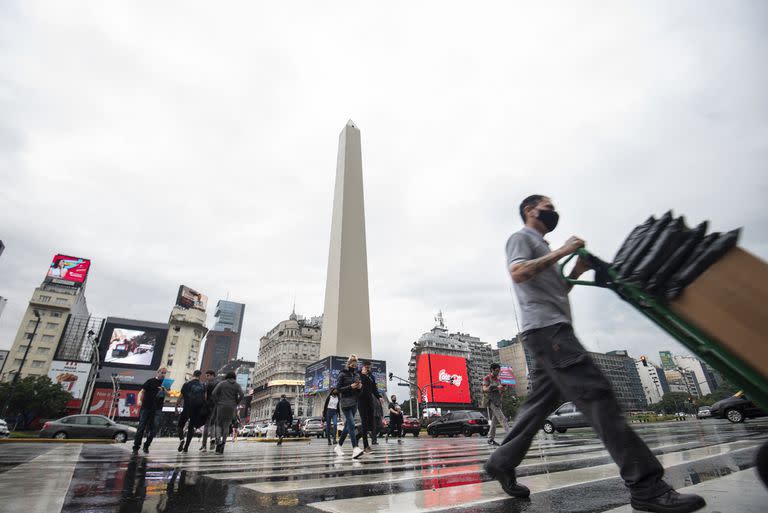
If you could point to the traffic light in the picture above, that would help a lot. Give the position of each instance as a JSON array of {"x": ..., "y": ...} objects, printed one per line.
[
  {"x": 645, "y": 362},
  {"x": 391, "y": 375}
]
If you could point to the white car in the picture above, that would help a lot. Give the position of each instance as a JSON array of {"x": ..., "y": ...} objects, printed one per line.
[
  {"x": 4, "y": 432},
  {"x": 261, "y": 429},
  {"x": 271, "y": 431}
]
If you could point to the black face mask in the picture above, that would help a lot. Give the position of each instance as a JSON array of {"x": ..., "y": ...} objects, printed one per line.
[{"x": 549, "y": 218}]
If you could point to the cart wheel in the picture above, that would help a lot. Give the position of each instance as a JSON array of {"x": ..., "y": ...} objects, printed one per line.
[{"x": 761, "y": 463}]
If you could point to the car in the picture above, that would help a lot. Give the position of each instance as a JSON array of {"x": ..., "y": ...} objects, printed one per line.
[
  {"x": 261, "y": 429},
  {"x": 4, "y": 431},
  {"x": 735, "y": 408},
  {"x": 87, "y": 426},
  {"x": 703, "y": 413},
  {"x": 564, "y": 417},
  {"x": 247, "y": 430},
  {"x": 411, "y": 425},
  {"x": 313, "y": 426},
  {"x": 464, "y": 422},
  {"x": 295, "y": 428}
]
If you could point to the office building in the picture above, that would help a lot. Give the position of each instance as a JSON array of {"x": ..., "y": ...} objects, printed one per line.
[
  {"x": 223, "y": 341},
  {"x": 704, "y": 379},
  {"x": 284, "y": 353},
  {"x": 650, "y": 381},
  {"x": 512, "y": 354},
  {"x": 621, "y": 371},
  {"x": 186, "y": 329}
]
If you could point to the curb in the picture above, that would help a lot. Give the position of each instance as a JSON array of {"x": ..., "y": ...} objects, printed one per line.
[
  {"x": 57, "y": 441},
  {"x": 274, "y": 440}
]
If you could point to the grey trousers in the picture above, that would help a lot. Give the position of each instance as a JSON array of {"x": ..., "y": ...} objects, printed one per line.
[
  {"x": 496, "y": 416},
  {"x": 563, "y": 368}
]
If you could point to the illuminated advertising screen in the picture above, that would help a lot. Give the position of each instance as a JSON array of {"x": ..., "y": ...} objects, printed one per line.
[
  {"x": 446, "y": 376},
  {"x": 506, "y": 376},
  {"x": 68, "y": 270},
  {"x": 131, "y": 347},
  {"x": 321, "y": 375},
  {"x": 71, "y": 376},
  {"x": 127, "y": 406},
  {"x": 190, "y": 298}
]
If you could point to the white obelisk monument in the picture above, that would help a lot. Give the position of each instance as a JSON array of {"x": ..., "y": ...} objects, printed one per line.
[{"x": 347, "y": 317}]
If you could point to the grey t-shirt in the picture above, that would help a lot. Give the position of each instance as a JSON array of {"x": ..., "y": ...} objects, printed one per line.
[{"x": 544, "y": 298}]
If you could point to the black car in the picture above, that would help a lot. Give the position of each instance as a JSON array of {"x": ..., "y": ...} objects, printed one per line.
[
  {"x": 466, "y": 423},
  {"x": 735, "y": 408},
  {"x": 295, "y": 428}
]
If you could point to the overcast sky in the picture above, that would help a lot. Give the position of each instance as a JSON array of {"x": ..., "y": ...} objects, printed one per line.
[{"x": 175, "y": 142}]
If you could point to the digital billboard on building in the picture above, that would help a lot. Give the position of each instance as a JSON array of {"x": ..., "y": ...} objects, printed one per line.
[
  {"x": 190, "y": 298},
  {"x": 131, "y": 349},
  {"x": 446, "y": 376},
  {"x": 68, "y": 270},
  {"x": 127, "y": 403},
  {"x": 322, "y": 375}
]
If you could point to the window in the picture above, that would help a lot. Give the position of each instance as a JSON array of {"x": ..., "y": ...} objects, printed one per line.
[
  {"x": 48, "y": 338},
  {"x": 45, "y": 299},
  {"x": 31, "y": 323},
  {"x": 17, "y": 362},
  {"x": 55, "y": 314},
  {"x": 61, "y": 301},
  {"x": 43, "y": 350},
  {"x": 23, "y": 348},
  {"x": 36, "y": 364},
  {"x": 98, "y": 421},
  {"x": 566, "y": 408},
  {"x": 27, "y": 336},
  {"x": 51, "y": 325},
  {"x": 169, "y": 363},
  {"x": 80, "y": 420}
]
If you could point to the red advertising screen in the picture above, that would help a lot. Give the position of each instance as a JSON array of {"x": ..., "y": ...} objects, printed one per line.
[
  {"x": 126, "y": 404},
  {"x": 448, "y": 375},
  {"x": 68, "y": 269}
]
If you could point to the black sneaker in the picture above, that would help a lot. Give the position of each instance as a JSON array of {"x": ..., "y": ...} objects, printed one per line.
[
  {"x": 135, "y": 451},
  {"x": 493, "y": 442},
  {"x": 181, "y": 446},
  {"x": 145, "y": 449},
  {"x": 670, "y": 502},
  {"x": 507, "y": 481}
]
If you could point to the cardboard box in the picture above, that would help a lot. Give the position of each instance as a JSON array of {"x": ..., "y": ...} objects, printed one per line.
[{"x": 729, "y": 302}]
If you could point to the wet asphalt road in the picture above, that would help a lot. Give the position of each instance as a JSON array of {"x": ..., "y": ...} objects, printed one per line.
[{"x": 566, "y": 472}]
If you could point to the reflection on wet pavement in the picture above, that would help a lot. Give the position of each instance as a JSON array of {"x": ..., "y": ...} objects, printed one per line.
[{"x": 566, "y": 472}]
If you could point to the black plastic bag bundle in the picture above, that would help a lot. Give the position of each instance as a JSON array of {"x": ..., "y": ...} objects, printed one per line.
[
  {"x": 644, "y": 244},
  {"x": 701, "y": 260},
  {"x": 684, "y": 249},
  {"x": 659, "y": 252},
  {"x": 631, "y": 242}
]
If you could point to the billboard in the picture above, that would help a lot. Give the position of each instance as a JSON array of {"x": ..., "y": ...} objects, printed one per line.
[
  {"x": 322, "y": 375},
  {"x": 667, "y": 363},
  {"x": 190, "y": 298},
  {"x": 127, "y": 406},
  {"x": 68, "y": 270},
  {"x": 448, "y": 376},
  {"x": 506, "y": 376},
  {"x": 131, "y": 346},
  {"x": 71, "y": 376}
]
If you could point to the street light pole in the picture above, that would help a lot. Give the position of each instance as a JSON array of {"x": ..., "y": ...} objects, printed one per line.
[{"x": 94, "y": 373}]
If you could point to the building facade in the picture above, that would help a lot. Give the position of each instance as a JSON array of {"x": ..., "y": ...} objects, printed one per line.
[
  {"x": 42, "y": 326},
  {"x": 704, "y": 379},
  {"x": 621, "y": 371},
  {"x": 186, "y": 329},
  {"x": 284, "y": 353},
  {"x": 512, "y": 354},
  {"x": 649, "y": 379},
  {"x": 223, "y": 341}
]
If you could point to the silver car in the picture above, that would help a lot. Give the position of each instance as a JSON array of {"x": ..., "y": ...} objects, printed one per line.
[
  {"x": 87, "y": 426},
  {"x": 566, "y": 416}
]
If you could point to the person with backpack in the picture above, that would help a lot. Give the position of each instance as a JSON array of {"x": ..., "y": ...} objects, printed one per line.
[
  {"x": 349, "y": 385},
  {"x": 209, "y": 410},
  {"x": 227, "y": 395},
  {"x": 331, "y": 415},
  {"x": 192, "y": 399},
  {"x": 283, "y": 417}
]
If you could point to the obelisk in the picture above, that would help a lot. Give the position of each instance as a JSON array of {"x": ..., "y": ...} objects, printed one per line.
[{"x": 346, "y": 316}]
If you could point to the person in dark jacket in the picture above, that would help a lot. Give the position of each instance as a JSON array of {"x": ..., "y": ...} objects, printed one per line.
[
  {"x": 369, "y": 394},
  {"x": 227, "y": 395},
  {"x": 395, "y": 420},
  {"x": 192, "y": 397},
  {"x": 349, "y": 385},
  {"x": 210, "y": 410},
  {"x": 331, "y": 415},
  {"x": 283, "y": 416}
]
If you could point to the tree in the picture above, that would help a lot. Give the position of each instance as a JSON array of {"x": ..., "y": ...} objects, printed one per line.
[
  {"x": 510, "y": 404},
  {"x": 31, "y": 397},
  {"x": 673, "y": 402}
]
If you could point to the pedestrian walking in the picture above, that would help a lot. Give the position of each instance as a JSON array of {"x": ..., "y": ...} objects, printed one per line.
[
  {"x": 192, "y": 400},
  {"x": 349, "y": 385},
  {"x": 331, "y": 415},
  {"x": 227, "y": 395},
  {"x": 366, "y": 404},
  {"x": 395, "y": 420},
  {"x": 493, "y": 391},
  {"x": 564, "y": 369},
  {"x": 209, "y": 411},
  {"x": 151, "y": 398},
  {"x": 283, "y": 417}
]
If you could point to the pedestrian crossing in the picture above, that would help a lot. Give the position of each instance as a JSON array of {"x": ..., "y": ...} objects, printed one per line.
[{"x": 438, "y": 475}]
